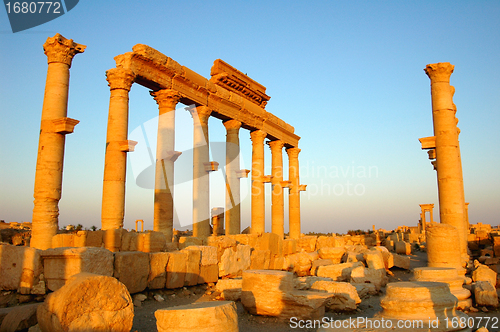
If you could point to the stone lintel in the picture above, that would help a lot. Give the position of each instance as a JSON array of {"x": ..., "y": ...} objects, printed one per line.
[
  {"x": 286, "y": 184},
  {"x": 171, "y": 155},
  {"x": 266, "y": 178},
  {"x": 64, "y": 125},
  {"x": 127, "y": 145},
  {"x": 242, "y": 173},
  {"x": 211, "y": 166},
  {"x": 302, "y": 187},
  {"x": 232, "y": 79},
  {"x": 428, "y": 142}
]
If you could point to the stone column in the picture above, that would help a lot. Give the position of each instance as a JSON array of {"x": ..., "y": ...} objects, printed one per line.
[
  {"x": 233, "y": 208},
  {"x": 53, "y": 128},
  {"x": 115, "y": 162},
  {"x": 277, "y": 205},
  {"x": 294, "y": 193},
  {"x": 448, "y": 164},
  {"x": 258, "y": 194},
  {"x": 201, "y": 167},
  {"x": 165, "y": 157},
  {"x": 467, "y": 224}
]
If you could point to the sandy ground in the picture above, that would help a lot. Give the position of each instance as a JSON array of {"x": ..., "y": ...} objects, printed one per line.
[{"x": 144, "y": 320}]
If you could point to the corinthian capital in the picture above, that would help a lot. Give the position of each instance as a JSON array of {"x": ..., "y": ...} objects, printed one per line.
[
  {"x": 60, "y": 49},
  {"x": 119, "y": 78},
  {"x": 201, "y": 113},
  {"x": 293, "y": 152},
  {"x": 439, "y": 72},
  {"x": 166, "y": 98},
  {"x": 232, "y": 125},
  {"x": 258, "y": 136},
  {"x": 276, "y": 145}
]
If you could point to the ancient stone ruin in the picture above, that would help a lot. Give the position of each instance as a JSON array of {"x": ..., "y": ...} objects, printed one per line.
[{"x": 426, "y": 277}]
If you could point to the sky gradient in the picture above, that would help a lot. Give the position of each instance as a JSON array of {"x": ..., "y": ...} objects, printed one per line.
[{"x": 348, "y": 75}]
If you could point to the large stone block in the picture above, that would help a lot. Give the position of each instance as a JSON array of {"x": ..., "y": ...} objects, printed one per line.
[
  {"x": 377, "y": 277},
  {"x": 289, "y": 247},
  {"x": 80, "y": 239},
  {"x": 221, "y": 243},
  {"x": 19, "y": 318},
  {"x": 230, "y": 289},
  {"x": 485, "y": 294},
  {"x": 374, "y": 259},
  {"x": 63, "y": 240},
  {"x": 271, "y": 242},
  {"x": 208, "y": 254},
  {"x": 132, "y": 269},
  {"x": 344, "y": 296},
  {"x": 496, "y": 245},
  {"x": 20, "y": 268},
  {"x": 59, "y": 264},
  {"x": 208, "y": 273},
  {"x": 337, "y": 272},
  {"x": 193, "y": 262},
  {"x": 387, "y": 256},
  {"x": 270, "y": 293},
  {"x": 94, "y": 239},
  {"x": 260, "y": 259},
  {"x": 305, "y": 283},
  {"x": 403, "y": 248},
  {"x": 403, "y": 262},
  {"x": 300, "y": 263},
  {"x": 186, "y": 241},
  {"x": 484, "y": 273},
  {"x": 176, "y": 269},
  {"x": 158, "y": 270},
  {"x": 87, "y": 302},
  {"x": 325, "y": 242},
  {"x": 112, "y": 239},
  {"x": 333, "y": 253},
  {"x": 234, "y": 261},
  {"x": 307, "y": 243},
  {"x": 130, "y": 241},
  {"x": 247, "y": 239},
  {"x": 200, "y": 317},
  {"x": 151, "y": 241},
  {"x": 317, "y": 263}
]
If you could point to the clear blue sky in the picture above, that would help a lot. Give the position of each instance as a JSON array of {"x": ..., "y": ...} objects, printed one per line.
[{"x": 348, "y": 75}]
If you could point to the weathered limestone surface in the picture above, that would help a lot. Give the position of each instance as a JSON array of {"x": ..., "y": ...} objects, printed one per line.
[
  {"x": 59, "y": 264},
  {"x": 443, "y": 246},
  {"x": 20, "y": 268},
  {"x": 400, "y": 261},
  {"x": 270, "y": 293},
  {"x": 305, "y": 283},
  {"x": 403, "y": 248},
  {"x": 176, "y": 269},
  {"x": 272, "y": 242},
  {"x": 158, "y": 270},
  {"x": 260, "y": 259},
  {"x": 289, "y": 246},
  {"x": 333, "y": 253},
  {"x": 186, "y": 241},
  {"x": 345, "y": 296},
  {"x": 378, "y": 277},
  {"x": 300, "y": 263},
  {"x": 338, "y": 272},
  {"x": 221, "y": 243},
  {"x": 230, "y": 289},
  {"x": 132, "y": 269},
  {"x": 87, "y": 302},
  {"x": 20, "y": 318},
  {"x": 484, "y": 273},
  {"x": 374, "y": 259},
  {"x": 192, "y": 267},
  {"x": 208, "y": 254},
  {"x": 307, "y": 243},
  {"x": 317, "y": 263},
  {"x": 485, "y": 294},
  {"x": 235, "y": 260},
  {"x": 151, "y": 241},
  {"x": 202, "y": 317}
]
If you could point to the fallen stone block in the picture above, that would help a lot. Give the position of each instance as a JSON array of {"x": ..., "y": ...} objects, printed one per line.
[
  {"x": 333, "y": 253},
  {"x": 130, "y": 241},
  {"x": 187, "y": 241},
  {"x": 272, "y": 242},
  {"x": 317, "y": 263},
  {"x": 337, "y": 272},
  {"x": 230, "y": 289},
  {"x": 307, "y": 243},
  {"x": 59, "y": 264},
  {"x": 299, "y": 263},
  {"x": 234, "y": 261},
  {"x": 132, "y": 269},
  {"x": 200, "y": 317},
  {"x": 87, "y": 302},
  {"x": 94, "y": 239},
  {"x": 403, "y": 262},
  {"x": 193, "y": 262},
  {"x": 247, "y": 239},
  {"x": 484, "y": 273},
  {"x": 374, "y": 259},
  {"x": 305, "y": 283},
  {"x": 151, "y": 241},
  {"x": 208, "y": 273},
  {"x": 377, "y": 277},
  {"x": 19, "y": 318},
  {"x": 221, "y": 243},
  {"x": 260, "y": 259},
  {"x": 63, "y": 241},
  {"x": 345, "y": 296},
  {"x": 485, "y": 294},
  {"x": 365, "y": 289},
  {"x": 208, "y": 254},
  {"x": 403, "y": 248},
  {"x": 289, "y": 247}
]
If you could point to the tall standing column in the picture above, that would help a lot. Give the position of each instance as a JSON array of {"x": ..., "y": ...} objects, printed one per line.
[
  {"x": 115, "y": 162},
  {"x": 294, "y": 192},
  {"x": 165, "y": 157},
  {"x": 277, "y": 205},
  {"x": 53, "y": 128},
  {"x": 233, "y": 208},
  {"x": 258, "y": 194},
  {"x": 449, "y": 170},
  {"x": 201, "y": 183}
]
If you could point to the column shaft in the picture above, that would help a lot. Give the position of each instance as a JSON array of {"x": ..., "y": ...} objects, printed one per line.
[
  {"x": 165, "y": 157},
  {"x": 115, "y": 161},
  {"x": 449, "y": 170},
  {"x": 294, "y": 193},
  {"x": 49, "y": 167},
  {"x": 258, "y": 194},
  {"x": 277, "y": 204},
  {"x": 233, "y": 208},
  {"x": 201, "y": 182}
]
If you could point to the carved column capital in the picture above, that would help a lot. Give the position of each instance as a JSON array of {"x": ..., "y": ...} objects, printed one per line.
[
  {"x": 258, "y": 136},
  {"x": 293, "y": 152},
  {"x": 232, "y": 125},
  {"x": 166, "y": 98},
  {"x": 276, "y": 145},
  {"x": 120, "y": 78},
  {"x": 201, "y": 112},
  {"x": 439, "y": 72},
  {"x": 60, "y": 49}
]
